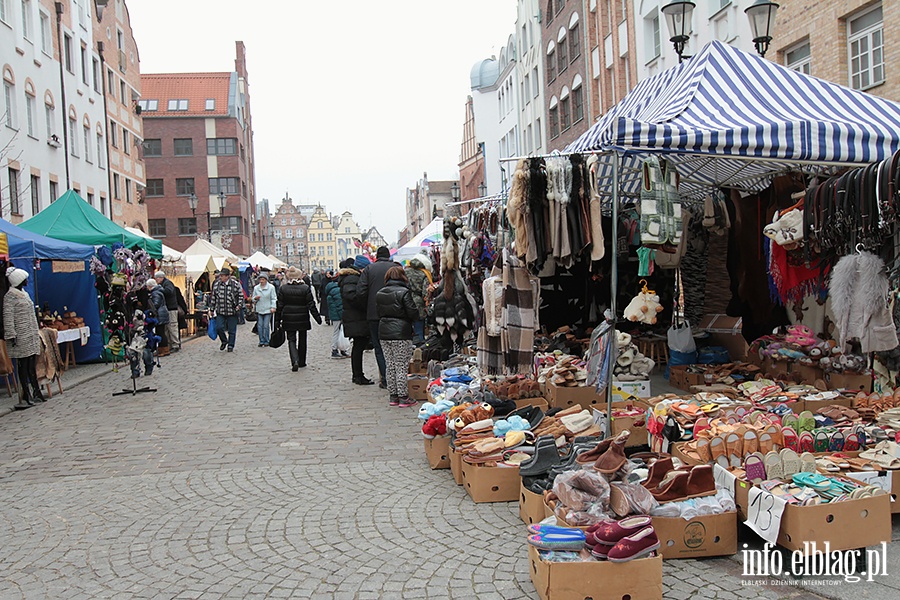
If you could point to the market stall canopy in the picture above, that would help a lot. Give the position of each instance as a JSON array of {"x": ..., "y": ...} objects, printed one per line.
[
  {"x": 431, "y": 234},
  {"x": 201, "y": 246},
  {"x": 169, "y": 254},
  {"x": 278, "y": 263},
  {"x": 729, "y": 118},
  {"x": 72, "y": 219},
  {"x": 24, "y": 244},
  {"x": 261, "y": 261},
  {"x": 202, "y": 263}
]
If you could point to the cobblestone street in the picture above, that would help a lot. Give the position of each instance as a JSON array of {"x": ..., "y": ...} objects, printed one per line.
[{"x": 241, "y": 479}]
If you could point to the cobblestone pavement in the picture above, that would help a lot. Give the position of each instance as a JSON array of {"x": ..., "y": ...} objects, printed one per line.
[{"x": 241, "y": 479}]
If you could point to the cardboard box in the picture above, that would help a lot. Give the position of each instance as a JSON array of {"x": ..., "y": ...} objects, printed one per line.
[
  {"x": 418, "y": 367},
  {"x": 437, "y": 451},
  {"x": 491, "y": 484},
  {"x": 564, "y": 397},
  {"x": 539, "y": 402},
  {"x": 548, "y": 512},
  {"x": 636, "y": 424},
  {"x": 814, "y": 405},
  {"x": 808, "y": 374},
  {"x": 726, "y": 331},
  {"x": 531, "y": 505},
  {"x": 857, "y": 383},
  {"x": 777, "y": 369},
  {"x": 623, "y": 390},
  {"x": 418, "y": 388},
  {"x": 708, "y": 535},
  {"x": 681, "y": 378},
  {"x": 639, "y": 579},
  {"x": 456, "y": 466},
  {"x": 845, "y": 525}
]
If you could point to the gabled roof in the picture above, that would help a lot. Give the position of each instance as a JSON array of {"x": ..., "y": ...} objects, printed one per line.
[{"x": 196, "y": 88}]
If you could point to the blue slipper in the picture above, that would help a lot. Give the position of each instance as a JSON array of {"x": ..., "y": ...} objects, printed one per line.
[{"x": 558, "y": 541}]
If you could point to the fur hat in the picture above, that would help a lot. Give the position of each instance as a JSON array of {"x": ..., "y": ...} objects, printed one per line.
[
  {"x": 293, "y": 275},
  {"x": 16, "y": 276},
  {"x": 382, "y": 252},
  {"x": 361, "y": 262},
  {"x": 420, "y": 261}
]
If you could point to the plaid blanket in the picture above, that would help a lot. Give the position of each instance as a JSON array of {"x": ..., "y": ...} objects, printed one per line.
[{"x": 518, "y": 321}]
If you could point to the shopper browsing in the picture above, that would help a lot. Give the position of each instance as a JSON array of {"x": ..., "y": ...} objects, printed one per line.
[
  {"x": 396, "y": 311},
  {"x": 293, "y": 309},
  {"x": 264, "y": 299}
]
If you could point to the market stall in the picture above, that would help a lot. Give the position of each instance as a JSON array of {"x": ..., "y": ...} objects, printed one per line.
[{"x": 201, "y": 254}]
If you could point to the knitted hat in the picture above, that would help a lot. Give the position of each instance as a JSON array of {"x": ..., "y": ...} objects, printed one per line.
[
  {"x": 361, "y": 262},
  {"x": 382, "y": 252},
  {"x": 293, "y": 275},
  {"x": 263, "y": 276},
  {"x": 16, "y": 276}
]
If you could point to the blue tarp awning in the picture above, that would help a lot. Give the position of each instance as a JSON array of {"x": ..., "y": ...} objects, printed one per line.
[
  {"x": 732, "y": 119},
  {"x": 27, "y": 244}
]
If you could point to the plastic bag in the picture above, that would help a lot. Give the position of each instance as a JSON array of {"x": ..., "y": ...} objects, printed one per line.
[
  {"x": 343, "y": 344},
  {"x": 578, "y": 490},
  {"x": 681, "y": 338},
  {"x": 211, "y": 329}
]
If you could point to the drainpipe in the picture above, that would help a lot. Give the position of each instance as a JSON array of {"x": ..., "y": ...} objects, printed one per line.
[
  {"x": 109, "y": 196},
  {"x": 62, "y": 87}
]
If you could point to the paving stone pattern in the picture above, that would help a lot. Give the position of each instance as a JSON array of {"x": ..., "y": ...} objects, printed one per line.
[{"x": 241, "y": 479}]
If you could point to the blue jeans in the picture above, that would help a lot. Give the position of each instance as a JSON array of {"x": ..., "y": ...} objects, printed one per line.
[
  {"x": 419, "y": 331},
  {"x": 379, "y": 353},
  {"x": 227, "y": 325},
  {"x": 264, "y": 327}
]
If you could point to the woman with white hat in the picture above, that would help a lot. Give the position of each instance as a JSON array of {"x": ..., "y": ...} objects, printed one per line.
[{"x": 23, "y": 341}]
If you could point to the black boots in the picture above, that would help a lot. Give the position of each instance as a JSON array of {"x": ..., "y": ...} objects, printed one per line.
[
  {"x": 37, "y": 395},
  {"x": 25, "y": 400}
]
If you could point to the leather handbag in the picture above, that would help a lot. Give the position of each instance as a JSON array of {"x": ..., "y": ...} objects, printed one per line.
[{"x": 276, "y": 339}]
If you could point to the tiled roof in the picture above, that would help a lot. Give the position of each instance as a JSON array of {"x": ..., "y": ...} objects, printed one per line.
[{"x": 196, "y": 88}]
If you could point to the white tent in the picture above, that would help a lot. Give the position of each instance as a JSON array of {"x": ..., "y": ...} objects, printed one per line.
[
  {"x": 169, "y": 254},
  {"x": 278, "y": 263},
  {"x": 201, "y": 255},
  {"x": 261, "y": 261},
  {"x": 432, "y": 234}
]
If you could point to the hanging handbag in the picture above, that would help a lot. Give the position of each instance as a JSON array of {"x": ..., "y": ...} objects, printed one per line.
[
  {"x": 211, "y": 329},
  {"x": 680, "y": 336},
  {"x": 660, "y": 204},
  {"x": 276, "y": 340}
]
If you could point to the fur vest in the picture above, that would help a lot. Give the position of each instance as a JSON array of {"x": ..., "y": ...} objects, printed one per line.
[{"x": 858, "y": 291}]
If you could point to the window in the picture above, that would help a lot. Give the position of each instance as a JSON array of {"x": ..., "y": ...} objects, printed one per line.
[
  {"x": 86, "y": 132},
  {"x": 321, "y": 237},
  {"x": 277, "y": 234},
  {"x": 330, "y": 250},
  {"x": 244, "y": 189},
  {"x": 96, "y": 74},
  {"x": 798, "y": 58},
  {"x": 46, "y": 43},
  {"x": 128, "y": 197},
  {"x": 126, "y": 145},
  {"x": 14, "y": 206},
  {"x": 228, "y": 185},
  {"x": 230, "y": 224},
  {"x": 29, "y": 114},
  {"x": 103, "y": 209},
  {"x": 278, "y": 250},
  {"x": 210, "y": 104},
  {"x": 562, "y": 56},
  {"x": 300, "y": 234},
  {"x": 111, "y": 83},
  {"x": 117, "y": 186},
  {"x": 100, "y": 150},
  {"x": 157, "y": 227},
  {"x": 187, "y": 226},
  {"x": 27, "y": 20},
  {"x": 320, "y": 225},
  {"x": 48, "y": 116},
  {"x": 184, "y": 147},
  {"x": 90, "y": 198},
  {"x": 288, "y": 233},
  {"x": 178, "y": 104},
  {"x": 526, "y": 88},
  {"x": 9, "y": 94},
  {"x": 577, "y": 104},
  {"x": 114, "y": 134},
  {"x": 35, "y": 194},
  {"x": 122, "y": 91},
  {"x": 149, "y": 104},
  {"x": 328, "y": 237},
  {"x": 574, "y": 43},
  {"x": 535, "y": 83},
  {"x": 155, "y": 187},
  {"x": 565, "y": 113},
  {"x": 554, "y": 122},
  {"x": 67, "y": 48},
  {"x": 221, "y": 146},
  {"x": 651, "y": 26},
  {"x": 528, "y": 140},
  {"x": 153, "y": 147},
  {"x": 866, "y": 46},
  {"x": 551, "y": 66},
  {"x": 120, "y": 39},
  {"x": 54, "y": 191},
  {"x": 73, "y": 141},
  {"x": 289, "y": 248},
  {"x": 184, "y": 187},
  {"x": 85, "y": 73}
]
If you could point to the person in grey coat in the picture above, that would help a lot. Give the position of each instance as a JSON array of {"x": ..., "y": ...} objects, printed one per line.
[
  {"x": 23, "y": 342},
  {"x": 158, "y": 301}
]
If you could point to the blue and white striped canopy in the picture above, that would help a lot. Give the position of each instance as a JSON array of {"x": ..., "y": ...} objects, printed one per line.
[{"x": 722, "y": 113}]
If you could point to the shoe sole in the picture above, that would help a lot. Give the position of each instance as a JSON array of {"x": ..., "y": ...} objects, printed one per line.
[{"x": 642, "y": 553}]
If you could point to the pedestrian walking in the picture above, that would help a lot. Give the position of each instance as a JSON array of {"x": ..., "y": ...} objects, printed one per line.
[
  {"x": 227, "y": 300},
  {"x": 353, "y": 317},
  {"x": 335, "y": 307},
  {"x": 293, "y": 309},
  {"x": 264, "y": 299},
  {"x": 419, "y": 275},
  {"x": 315, "y": 282},
  {"x": 173, "y": 334},
  {"x": 370, "y": 282},
  {"x": 23, "y": 341},
  {"x": 396, "y": 313}
]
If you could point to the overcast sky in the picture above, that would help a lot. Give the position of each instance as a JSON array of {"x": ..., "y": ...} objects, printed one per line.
[{"x": 352, "y": 101}]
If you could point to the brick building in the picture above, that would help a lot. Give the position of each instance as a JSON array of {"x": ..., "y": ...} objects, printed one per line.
[
  {"x": 844, "y": 41},
  {"x": 471, "y": 158},
  {"x": 289, "y": 234},
  {"x": 615, "y": 66},
  {"x": 199, "y": 140}
]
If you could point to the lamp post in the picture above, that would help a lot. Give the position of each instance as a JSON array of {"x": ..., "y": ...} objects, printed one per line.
[
  {"x": 193, "y": 201},
  {"x": 679, "y": 16},
  {"x": 454, "y": 191},
  {"x": 482, "y": 190},
  {"x": 762, "y": 20}
]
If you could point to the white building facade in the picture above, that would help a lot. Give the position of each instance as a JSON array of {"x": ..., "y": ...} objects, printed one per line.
[
  {"x": 530, "y": 73},
  {"x": 52, "y": 136}
]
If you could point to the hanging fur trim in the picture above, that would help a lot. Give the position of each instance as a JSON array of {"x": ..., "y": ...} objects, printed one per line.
[{"x": 858, "y": 290}]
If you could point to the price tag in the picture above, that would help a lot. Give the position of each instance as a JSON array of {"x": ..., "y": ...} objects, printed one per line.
[
  {"x": 880, "y": 479},
  {"x": 764, "y": 514},
  {"x": 724, "y": 479}
]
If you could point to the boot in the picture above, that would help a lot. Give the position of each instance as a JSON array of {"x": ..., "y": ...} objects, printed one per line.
[
  {"x": 24, "y": 399},
  {"x": 37, "y": 394},
  {"x": 545, "y": 456}
]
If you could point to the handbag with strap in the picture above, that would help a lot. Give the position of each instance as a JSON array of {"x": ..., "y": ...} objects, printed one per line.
[{"x": 276, "y": 339}]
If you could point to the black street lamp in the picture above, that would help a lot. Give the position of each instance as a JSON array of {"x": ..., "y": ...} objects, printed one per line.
[
  {"x": 193, "y": 202},
  {"x": 454, "y": 191},
  {"x": 762, "y": 21},
  {"x": 482, "y": 190},
  {"x": 679, "y": 15}
]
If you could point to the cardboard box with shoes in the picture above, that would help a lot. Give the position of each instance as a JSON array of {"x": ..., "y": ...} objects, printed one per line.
[
  {"x": 437, "y": 451},
  {"x": 531, "y": 506},
  {"x": 639, "y": 579},
  {"x": 565, "y": 397},
  {"x": 707, "y": 535},
  {"x": 491, "y": 484}
]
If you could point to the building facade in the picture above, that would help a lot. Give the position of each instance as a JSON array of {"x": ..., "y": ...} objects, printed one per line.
[
  {"x": 614, "y": 67},
  {"x": 471, "y": 159},
  {"x": 425, "y": 202},
  {"x": 847, "y": 42},
  {"x": 530, "y": 69},
  {"x": 374, "y": 237},
  {"x": 52, "y": 120},
  {"x": 484, "y": 79},
  {"x": 119, "y": 64},
  {"x": 347, "y": 232},
  {"x": 289, "y": 234},
  {"x": 263, "y": 226},
  {"x": 199, "y": 141},
  {"x": 322, "y": 242}
]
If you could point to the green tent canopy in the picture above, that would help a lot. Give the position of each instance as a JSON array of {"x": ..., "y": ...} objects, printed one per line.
[{"x": 72, "y": 219}]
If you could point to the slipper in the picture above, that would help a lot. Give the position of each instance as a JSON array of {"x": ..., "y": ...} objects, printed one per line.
[
  {"x": 807, "y": 442},
  {"x": 718, "y": 451},
  {"x": 774, "y": 466},
  {"x": 837, "y": 442},
  {"x": 775, "y": 431},
  {"x": 817, "y": 482},
  {"x": 807, "y": 463},
  {"x": 791, "y": 439},
  {"x": 791, "y": 461},
  {"x": 851, "y": 444},
  {"x": 540, "y": 528},
  {"x": 751, "y": 443},
  {"x": 558, "y": 540},
  {"x": 806, "y": 421},
  {"x": 790, "y": 421},
  {"x": 826, "y": 465},
  {"x": 735, "y": 451},
  {"x": 861, "y": 464},
  {"x": 755, "y": 467},
  {"x": 839, "y": 459},
  {"x": 703, "y": 450},
  {"x": 820, "y": 441},
  {"x": 766, "y": 444}
]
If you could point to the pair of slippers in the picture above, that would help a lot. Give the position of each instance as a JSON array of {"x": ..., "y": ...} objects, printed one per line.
[{"x": 778, "y": 465}]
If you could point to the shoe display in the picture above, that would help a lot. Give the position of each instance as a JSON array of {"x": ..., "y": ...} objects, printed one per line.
[
  {"x": 634, "y": 546},
  {"x": 609, "y": 532}
]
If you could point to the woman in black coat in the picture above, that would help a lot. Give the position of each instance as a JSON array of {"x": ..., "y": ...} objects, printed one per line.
[
  {"x": 353, "y": 320},
  {"x": 397, "y": 311},
  {"x": 293, "y": 308}
]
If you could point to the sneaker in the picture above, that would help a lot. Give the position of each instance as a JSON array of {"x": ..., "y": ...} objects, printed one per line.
[
  {"x": 406, "y": 402},
  {"x": 363, "y": 381},
  {"x": 222, "y": 345},
  {"x": 335, "y": 354},
  {"x": 395, "y": 401},
  {"x": 230, "y": 349},
  {"x": 382, "y": 385},
  {"x": 344, "y": 354}
]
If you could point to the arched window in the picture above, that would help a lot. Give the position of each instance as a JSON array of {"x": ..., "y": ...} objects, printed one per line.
[
  {"x": 574, "y": 37},
  {"x": 551, "y": 61},
  {"x": 9, "y": 98},
  {"x": 554, "y": 117}
]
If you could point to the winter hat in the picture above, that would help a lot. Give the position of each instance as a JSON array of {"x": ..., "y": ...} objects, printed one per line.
[
  {"x": 16, "y": 276},
  {"x": 382, "y": 252},
  {"x": 361, "y": 262},
  {"x": 263, "y": 276},
  {"x": 294, "y": 275},
  {"x": 420, "y": 261},
  {"x": 346, "y": 263}
]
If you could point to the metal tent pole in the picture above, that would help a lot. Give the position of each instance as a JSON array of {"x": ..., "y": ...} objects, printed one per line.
[{"x": 614, "y": 288}]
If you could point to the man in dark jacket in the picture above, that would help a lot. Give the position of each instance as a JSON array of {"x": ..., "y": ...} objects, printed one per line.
[
  {"x": 168, "y": 289},
  {"x": 370, "y": 282},
  {"x": 293, "y": 309},
  {"x": 353, "y": 318}
]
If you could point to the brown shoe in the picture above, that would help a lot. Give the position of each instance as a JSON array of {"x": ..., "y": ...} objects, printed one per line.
[
  {"x": 589, "y": 456},
  {"x": 675, "y": 489},
  {"x": 614, "y": 458},
  {"x": 657, "y": 471},
  {"x": 701, "y": 482}
]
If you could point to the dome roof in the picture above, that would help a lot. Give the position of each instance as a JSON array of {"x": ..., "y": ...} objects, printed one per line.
[{"x": 484, "y": 73}]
